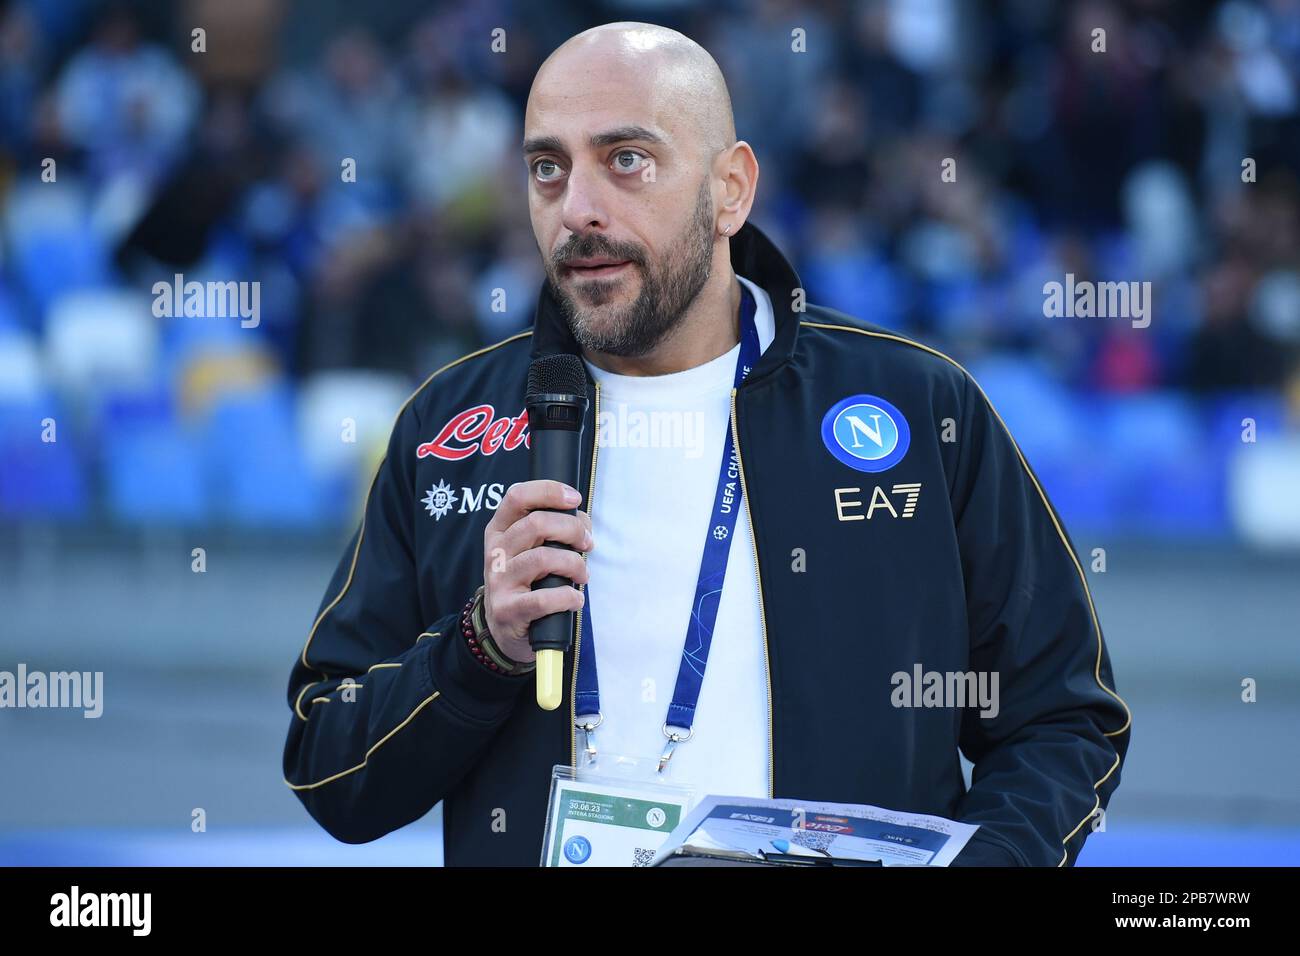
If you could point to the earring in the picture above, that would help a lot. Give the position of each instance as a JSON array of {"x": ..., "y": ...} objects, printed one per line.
[{"x": 727, "y": 230}]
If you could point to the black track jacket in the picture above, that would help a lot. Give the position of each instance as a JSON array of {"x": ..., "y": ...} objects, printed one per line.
[{"x": 943, "y": 556}]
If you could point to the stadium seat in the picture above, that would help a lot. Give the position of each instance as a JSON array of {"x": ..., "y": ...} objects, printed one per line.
[
  {"x": 370, "y": 399},
  {"x": 1167, "y": 468},
  {"x": 55, "y": 249},
  {"x": 252, "y": 452},
  {"x": 154, "y": 476},
  {"x": 21, "y": 374},
  {"x": 39, "y": 480},
  {"x": 101, "y": 339},
  {"x": 1263, "y": 479},
  {"x": 1227, "y": 411}
]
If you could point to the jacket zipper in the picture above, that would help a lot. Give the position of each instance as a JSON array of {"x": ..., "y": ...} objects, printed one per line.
[
  {"x": 758, "y": 578},
  {"x": 577, "y": 618}
]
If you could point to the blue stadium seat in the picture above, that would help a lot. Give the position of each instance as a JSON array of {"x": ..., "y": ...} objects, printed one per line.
[
  {"x": 256, "y": 461},
  {"x": 11, "y": 318},
  {"x": 1169, "y": 468},
  {"x": 51, "y": 263},
  {"x": 1226, "y": 411},
  {"x": 39, "y": 480},
  {"x": 154, "y": 476}
]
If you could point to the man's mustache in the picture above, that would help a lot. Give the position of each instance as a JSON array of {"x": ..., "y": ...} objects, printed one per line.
[{"x": 591, "y": 247}]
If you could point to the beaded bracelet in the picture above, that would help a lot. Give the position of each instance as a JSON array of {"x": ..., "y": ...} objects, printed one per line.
[{"x": 473, "y": 626}]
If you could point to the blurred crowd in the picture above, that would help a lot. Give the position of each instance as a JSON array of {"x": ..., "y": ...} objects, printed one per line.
[{"x": 133, "y": 149}]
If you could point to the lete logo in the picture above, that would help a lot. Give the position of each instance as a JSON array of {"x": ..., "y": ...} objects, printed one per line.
[{"x": 476, "y": 429}]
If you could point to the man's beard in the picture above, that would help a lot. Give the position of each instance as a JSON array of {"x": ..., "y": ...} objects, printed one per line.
[{"x": 666, "y": 292}]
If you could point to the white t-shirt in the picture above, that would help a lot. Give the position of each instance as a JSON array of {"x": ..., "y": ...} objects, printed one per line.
[{"x": 661, "y": 441}]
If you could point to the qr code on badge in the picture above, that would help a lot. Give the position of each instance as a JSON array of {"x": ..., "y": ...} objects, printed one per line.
[
  {"x": 641, "y": 856},
  {"x": 813, "y": 839}
]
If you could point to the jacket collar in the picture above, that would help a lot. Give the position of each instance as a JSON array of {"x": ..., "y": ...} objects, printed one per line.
[{"x": 753, "y": 255}]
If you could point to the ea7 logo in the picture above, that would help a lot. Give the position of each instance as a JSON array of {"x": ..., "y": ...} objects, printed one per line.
[{"x": 909, "y": 493}]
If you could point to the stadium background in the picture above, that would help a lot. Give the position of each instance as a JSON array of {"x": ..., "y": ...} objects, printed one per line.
[{"x": 181, "y": 433}]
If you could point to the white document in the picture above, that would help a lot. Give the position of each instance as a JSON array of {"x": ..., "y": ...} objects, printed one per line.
[{"x": 842, "y": 830}]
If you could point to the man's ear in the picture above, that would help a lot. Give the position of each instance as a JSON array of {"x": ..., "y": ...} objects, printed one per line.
[{"x": 737, "y": 167}]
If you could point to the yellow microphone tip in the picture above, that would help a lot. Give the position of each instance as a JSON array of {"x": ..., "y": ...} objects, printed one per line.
[{"x": 550, "y": 679}]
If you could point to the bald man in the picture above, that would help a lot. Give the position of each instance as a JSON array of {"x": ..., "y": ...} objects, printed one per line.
[{"x": 809, "y": 560}]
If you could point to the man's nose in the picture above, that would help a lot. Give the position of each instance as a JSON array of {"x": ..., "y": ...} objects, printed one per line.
[{"x": 584, "y": 208}]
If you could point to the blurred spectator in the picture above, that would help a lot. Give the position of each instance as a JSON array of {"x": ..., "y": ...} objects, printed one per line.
[{"x": 124, "y": 101}]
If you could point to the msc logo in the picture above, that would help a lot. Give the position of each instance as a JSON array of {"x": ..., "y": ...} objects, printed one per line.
[
  {"x": 441, "y": 499},
  {"x": 866, "y": 433},
  {"x": 910, "y": 493}
]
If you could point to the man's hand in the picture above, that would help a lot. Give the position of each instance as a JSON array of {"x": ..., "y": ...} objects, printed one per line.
[{"x": 514, "y": 556}]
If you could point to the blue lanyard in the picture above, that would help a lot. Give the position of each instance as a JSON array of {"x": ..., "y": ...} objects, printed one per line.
[{"x": 708, "y": 588}]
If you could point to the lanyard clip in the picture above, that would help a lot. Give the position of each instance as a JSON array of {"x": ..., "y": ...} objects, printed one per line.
[
  {"x": 588, "y": 728},
  {"x": 673, "y": 740}
]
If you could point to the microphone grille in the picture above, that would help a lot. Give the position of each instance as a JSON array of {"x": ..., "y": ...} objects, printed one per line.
[{"x": 559, "y": 374}]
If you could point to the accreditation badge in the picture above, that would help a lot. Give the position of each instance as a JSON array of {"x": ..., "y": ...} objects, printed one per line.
[{"x": 617, "y": 815}]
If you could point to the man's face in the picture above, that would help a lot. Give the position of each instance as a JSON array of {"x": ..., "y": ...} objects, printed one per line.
[{"x": 622, "y": 210}]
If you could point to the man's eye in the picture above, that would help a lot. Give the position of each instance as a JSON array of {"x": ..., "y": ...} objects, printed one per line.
[
  {"x": 628, "y": 161},
  {"x": 546, "y": 170}
]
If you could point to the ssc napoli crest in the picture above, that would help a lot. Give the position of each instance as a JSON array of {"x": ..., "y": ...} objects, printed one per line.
[
  {"x": 577, "y": 849},
  {"x": 866, "y": 433}
]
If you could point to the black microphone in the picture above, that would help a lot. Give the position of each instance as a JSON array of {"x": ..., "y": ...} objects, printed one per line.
[{"x": 557, "y": 406}]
